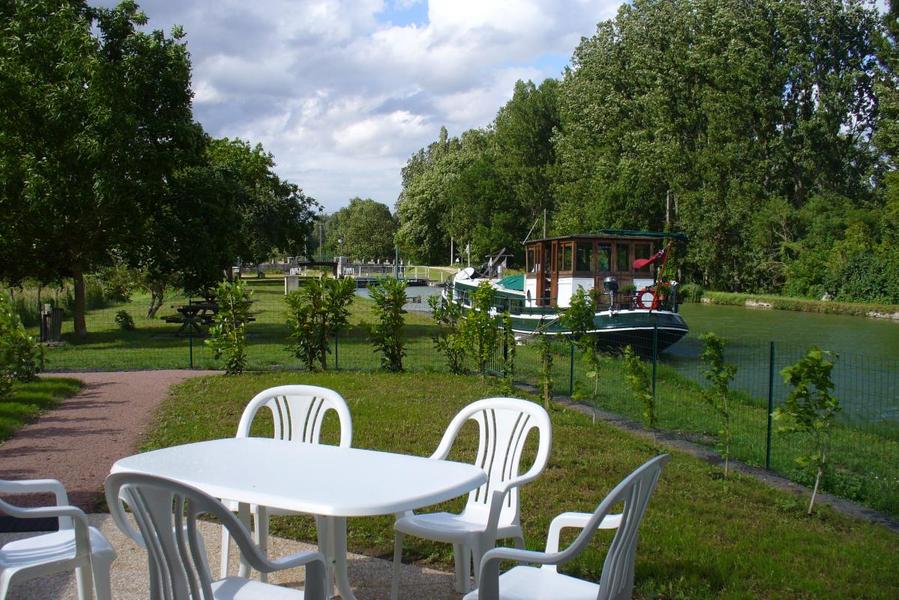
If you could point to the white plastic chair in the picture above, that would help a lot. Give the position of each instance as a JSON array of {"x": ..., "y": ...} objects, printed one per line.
[
  {"x": 491, "y": 512},
  {"x": 546, "y": 583},
  {"x": 166, "y": 515},
  {"x": 76, "y": 546},
  {"x": 298, "y": 412}
]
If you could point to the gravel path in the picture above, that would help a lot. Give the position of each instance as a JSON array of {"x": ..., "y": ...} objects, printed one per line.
[{"x": 78, "y": 441}]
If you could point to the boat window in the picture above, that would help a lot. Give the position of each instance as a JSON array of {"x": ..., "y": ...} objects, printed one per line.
[
  {"x": 642, "y": 251},
  {"x": 532, "y": 260},
  {"x": 603, "y": 258},
  {"x": 565, "y": 257},
  {"x": 622, "y": 259},
  {"x": 583, "y": 255}
]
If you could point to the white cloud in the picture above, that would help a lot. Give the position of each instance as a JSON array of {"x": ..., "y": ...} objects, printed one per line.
[{"x": 342, "y": 97}]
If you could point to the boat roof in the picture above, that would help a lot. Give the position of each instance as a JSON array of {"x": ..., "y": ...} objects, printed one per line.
[
  {"x": 617, "y": 234},
  {"x": 512, "y": 282}
]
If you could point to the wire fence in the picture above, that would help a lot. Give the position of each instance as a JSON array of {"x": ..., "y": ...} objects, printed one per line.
[{"x": 865, "y": 445}]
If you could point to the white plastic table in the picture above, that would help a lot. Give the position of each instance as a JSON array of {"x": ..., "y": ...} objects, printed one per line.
[{"x": 329, "y": 481}]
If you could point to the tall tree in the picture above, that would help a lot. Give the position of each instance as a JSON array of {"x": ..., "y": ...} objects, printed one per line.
[
  {"x": 367, "y": 229},
  {"x": 97, "y": 116}
]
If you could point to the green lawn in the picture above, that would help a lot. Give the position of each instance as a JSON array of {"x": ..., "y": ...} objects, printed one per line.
[
  {"x": 704, "y": 537},
  {"x": 28, "y": 400}
]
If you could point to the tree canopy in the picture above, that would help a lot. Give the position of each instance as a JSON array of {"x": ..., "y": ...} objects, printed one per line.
[
  {"x": 367, "y": 229},
  {"x": 765, "y": 130}
]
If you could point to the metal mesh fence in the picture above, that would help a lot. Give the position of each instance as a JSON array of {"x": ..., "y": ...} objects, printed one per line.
[{"x": 865, "y": 444}]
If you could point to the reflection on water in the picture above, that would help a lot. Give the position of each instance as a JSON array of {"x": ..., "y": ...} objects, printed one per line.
[{"x": 866, "y": 373}]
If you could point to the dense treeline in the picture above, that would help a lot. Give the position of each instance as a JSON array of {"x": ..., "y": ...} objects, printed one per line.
[{"x": 764, "y": 130}]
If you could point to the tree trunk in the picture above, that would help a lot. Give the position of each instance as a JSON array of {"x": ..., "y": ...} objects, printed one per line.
[
  {"x": 815, "y": 489},
  {"x": 80, "y": 304},
  {"x": 157, "y": 296}
]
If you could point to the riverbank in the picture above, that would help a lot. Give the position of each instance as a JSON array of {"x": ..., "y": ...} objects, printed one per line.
[{"x": 764, "y": 301}]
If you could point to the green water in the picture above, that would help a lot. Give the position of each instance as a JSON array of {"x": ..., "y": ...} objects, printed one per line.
[
  {"x": 866, "y": 372},
  {"x": 877, "y": 338}
]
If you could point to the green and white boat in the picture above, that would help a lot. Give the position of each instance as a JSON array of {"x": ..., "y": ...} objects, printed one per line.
[{"x": 623, "y": 270}]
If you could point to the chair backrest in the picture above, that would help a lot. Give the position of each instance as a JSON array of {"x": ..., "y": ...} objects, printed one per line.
[
  {"x": 298, "y": 412},
  {"x": 504, "y": 425},
  {"x": 166, "y": 514},
  {"x": 635, "y": 490}
]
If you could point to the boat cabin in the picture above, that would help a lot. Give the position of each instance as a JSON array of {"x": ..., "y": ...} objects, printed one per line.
[{"x": 557, "y": 267}]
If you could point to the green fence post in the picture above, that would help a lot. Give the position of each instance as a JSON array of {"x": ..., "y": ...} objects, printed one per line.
[
  {"x": 336, "y": 352},
  {"x": 190, "y": 346},
  {"x": 770, "y": 404},
  {"x": 571, "y": 370},
  {"x": 655, "y": 358}
]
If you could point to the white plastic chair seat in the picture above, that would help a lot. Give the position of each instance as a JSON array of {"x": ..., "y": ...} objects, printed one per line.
[
  {"x": 238, "y": 588},
  {"x": 530, "y": 583},
  {"x": 449, "y": 527},
  {"x": 56, "y": 548}
]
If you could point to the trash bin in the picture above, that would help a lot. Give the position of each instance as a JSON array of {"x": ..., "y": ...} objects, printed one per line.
[{"x": 56, "y": 316}]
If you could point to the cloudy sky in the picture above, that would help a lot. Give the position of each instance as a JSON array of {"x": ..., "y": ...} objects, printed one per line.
[{"x": 342, "y": 92}]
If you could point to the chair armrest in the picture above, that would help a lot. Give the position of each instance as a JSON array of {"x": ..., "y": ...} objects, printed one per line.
[
  {"x": 295, "y": 560},
  {"x": 489, "y": 567},
  {"x": 316, "y": 574},
  {"x": 36, "y": 486},
  {"x": 72, "y": 512},
  {"x": 575, "y": 519}
]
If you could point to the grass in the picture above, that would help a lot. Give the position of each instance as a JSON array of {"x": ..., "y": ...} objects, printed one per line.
[
  {"x": 28, "y": 400},
  {"x": 703, "y": 537}
]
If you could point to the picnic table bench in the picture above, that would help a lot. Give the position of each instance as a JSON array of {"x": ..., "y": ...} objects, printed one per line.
[{"x": 195, "y": 316}]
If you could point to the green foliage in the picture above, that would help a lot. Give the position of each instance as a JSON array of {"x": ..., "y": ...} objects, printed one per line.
[
  {"x": 799, "y": 304},
  {"x": 124, "y": 320},
  {"x": 690, "y": 292},
  {"x": 316, "y": 313},
  {"x": 810, "y": 408},
  {"x": 448, "y": 340},
  {"x": 19, "y": 353},
  {"x": 479, "y": 328},
  {"x": 578, "y": 318},
  {"x": 546, "y": 353},
  {"x": 719, "y": 375},
  {"x": 389, "y": 296},
  {"x": 637, "y": 377},
  {"x": 228, "y": 334},
  {"x": 509, "y": 350},
  {"x": 367, "y": 229}
]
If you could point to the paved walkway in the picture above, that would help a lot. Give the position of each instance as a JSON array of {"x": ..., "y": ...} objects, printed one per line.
[{"x": 78, "y": 441}]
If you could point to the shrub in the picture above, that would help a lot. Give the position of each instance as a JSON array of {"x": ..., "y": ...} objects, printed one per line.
[
  {"x": 479, "y": 328},
  {"x": 448, "y": 340},
  {"x": 228, "y": 336},
  {"x": 124, "y": 321},
  {"x": 690, "y": 292},
  {"x": 578, "y": 318},
  {"x": 316, "y": 313},
  {"x": 19, "y": 353},
  {"x": 719, "y": 376},
  {"x": 637, "y": 377},
  {"x": 389, "y": 296},
  {"x": 811, "y": 409}
]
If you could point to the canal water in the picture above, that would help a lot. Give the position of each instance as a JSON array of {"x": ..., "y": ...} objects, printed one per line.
[{"x": 762, "y": 342}]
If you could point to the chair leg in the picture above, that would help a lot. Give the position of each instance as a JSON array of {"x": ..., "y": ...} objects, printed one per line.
[
  {"x": 84, "y": 582},
  {"x": 477, "y": 552},
  {"x": 461, "y": 558},
  {"x": 519, "y": 542},
  {"x": 397, "y": 563},
  {"x": 102, "y": 585},
  {"x": 226, "y": 542}
]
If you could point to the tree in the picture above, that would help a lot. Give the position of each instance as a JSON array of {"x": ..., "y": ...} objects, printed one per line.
[
  {"x": 719, "y": 375},
  {"x": 389, "y": 296},
  {"x": 480, "y": 328},
  {"x": 579, "y": 319},
  {"x": 273, "y": 214},
  {"x": 228, "y": 334},
  {"x": 316, "y": 313},
  {"x": 367, "y": 228},
  {"x": 97, "y": 118},
  {"x": 810, "y": 408}
]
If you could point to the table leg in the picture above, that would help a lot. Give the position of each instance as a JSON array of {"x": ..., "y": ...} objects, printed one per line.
[
  {"x": 243, "y": 513},
  {"x": 336, "y": 555},
  {"x": 261, "y": 524}
]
